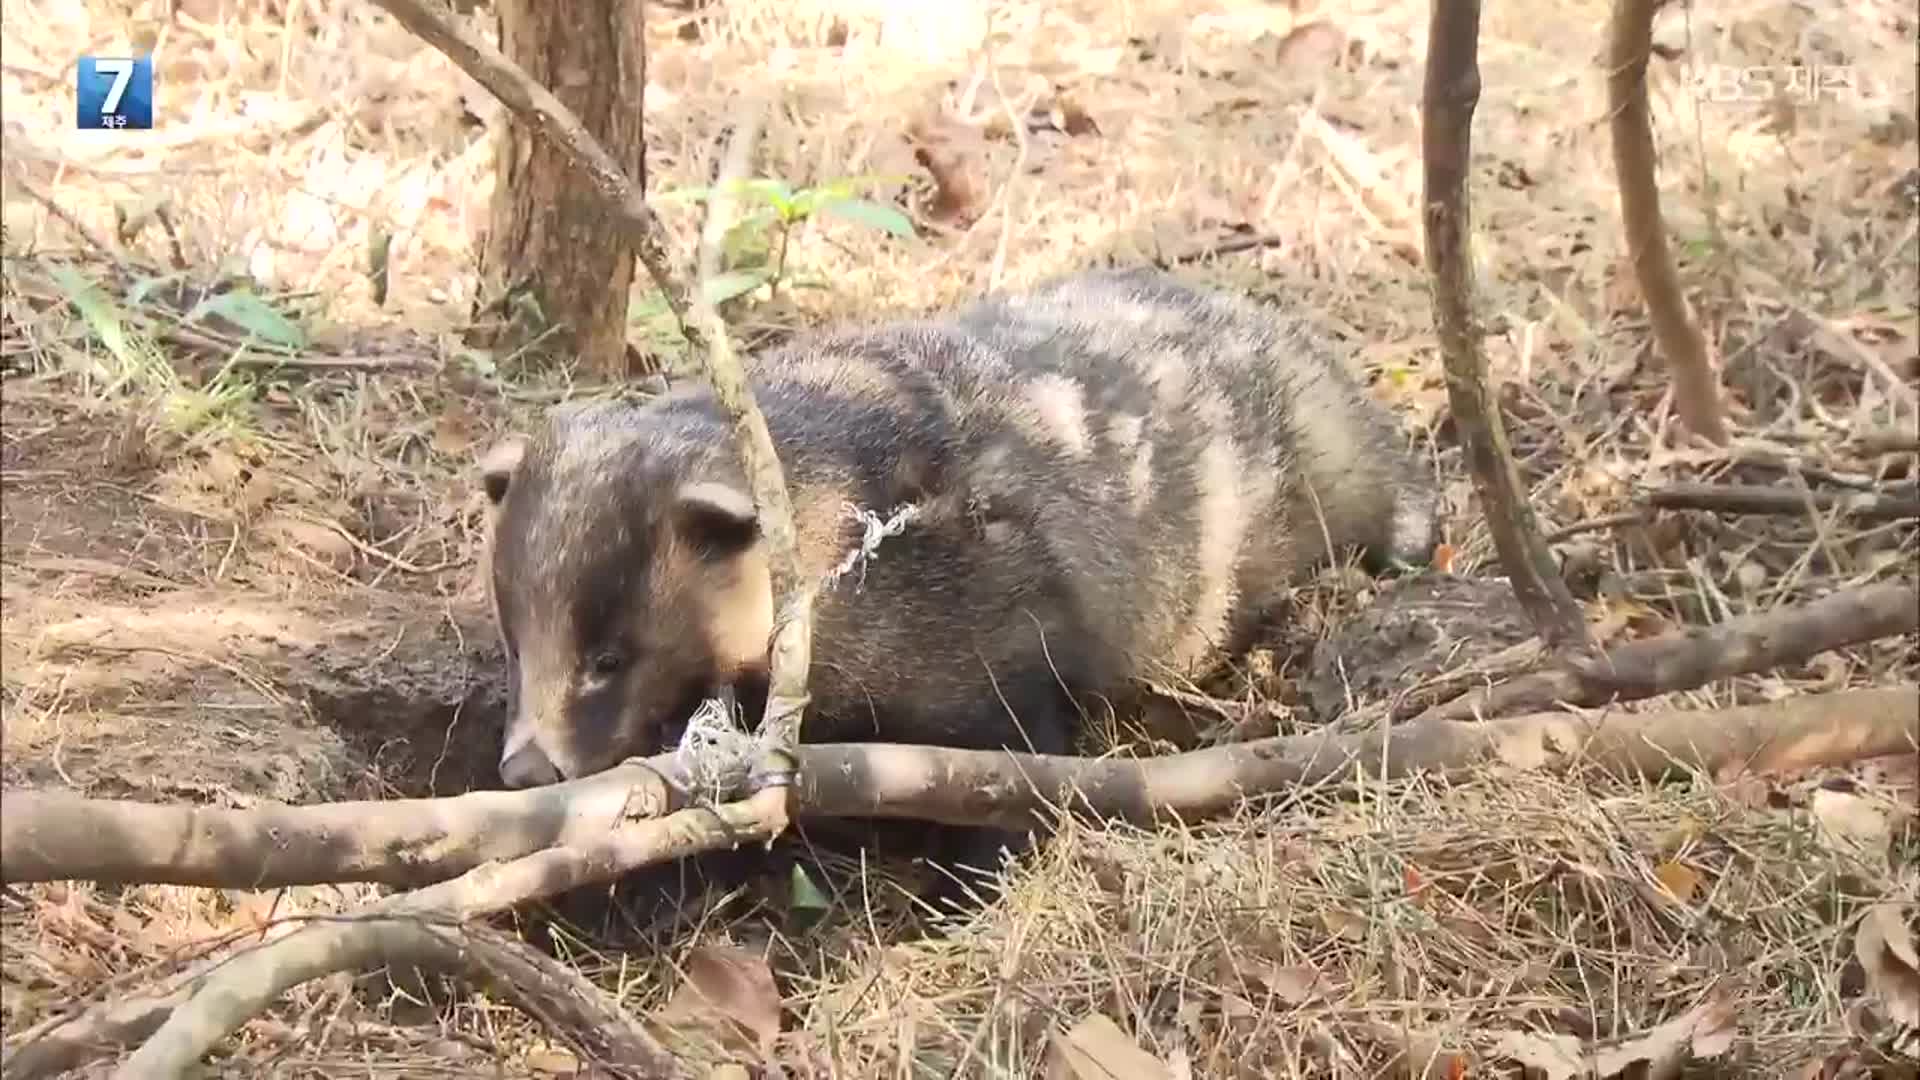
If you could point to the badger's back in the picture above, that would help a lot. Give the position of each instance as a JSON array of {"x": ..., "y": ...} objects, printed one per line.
[{"x": 1113, "y": 471}]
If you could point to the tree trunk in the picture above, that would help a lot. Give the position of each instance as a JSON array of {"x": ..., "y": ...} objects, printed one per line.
[{"x": 555, "y": 275}]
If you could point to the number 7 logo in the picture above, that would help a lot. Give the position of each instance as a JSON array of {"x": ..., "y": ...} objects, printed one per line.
[
  {"x": 122, "y": 72},
  {"x": 114, "y": 93}
]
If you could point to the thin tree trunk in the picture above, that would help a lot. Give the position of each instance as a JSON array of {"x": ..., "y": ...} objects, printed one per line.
[
  {"x": 552, "y": 268},
  {"x": 1450, "y": 94}
]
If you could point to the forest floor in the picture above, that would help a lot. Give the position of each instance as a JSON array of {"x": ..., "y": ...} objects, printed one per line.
[{"x": 229, "y": 578}]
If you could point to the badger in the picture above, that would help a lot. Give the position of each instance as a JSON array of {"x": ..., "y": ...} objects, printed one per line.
[{"x": 1111, "y": 476}]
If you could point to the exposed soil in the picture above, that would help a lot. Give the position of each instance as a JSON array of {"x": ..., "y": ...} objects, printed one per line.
[{"x": 136, "y": 665}]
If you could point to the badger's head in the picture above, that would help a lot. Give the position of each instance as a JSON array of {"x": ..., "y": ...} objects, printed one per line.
[{"x": 628, "y": 581}]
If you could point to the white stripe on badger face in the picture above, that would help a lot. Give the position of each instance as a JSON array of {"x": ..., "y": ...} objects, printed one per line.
[{"x": 519, "y": 734}]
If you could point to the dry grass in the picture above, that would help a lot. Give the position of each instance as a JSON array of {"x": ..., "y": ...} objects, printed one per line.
[
  {"x": 1418, "y": 916},
  {"x": 282, "y": 149}
]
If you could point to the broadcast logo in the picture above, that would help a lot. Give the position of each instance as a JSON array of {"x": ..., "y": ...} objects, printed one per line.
[{"x": 115, "y": 93}]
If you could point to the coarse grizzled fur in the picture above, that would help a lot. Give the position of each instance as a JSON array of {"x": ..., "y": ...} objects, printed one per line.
[{"x": 1117, "y": 475}]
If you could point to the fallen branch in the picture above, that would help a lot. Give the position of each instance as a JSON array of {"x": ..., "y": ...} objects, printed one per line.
[
  {"x": 1447, "y": 102},
  {"x": 1754, "y": 499},
  {"x": 563, "y": 1000},
  {"x": 962, "y": 788},
  {"x": 956, "y": 787},
  {"x": 1227, "y": 246},
  {"x": 977, "y": 788},
  {"x": 215, "y": 1000},
  {"x": 407, "y": 842},
  {"x": 791, "y": 651},
  {"x": 1697, "y": 656},
  {"x": 1884, "y": 441},
  {"x": 1696, "y": 391}
]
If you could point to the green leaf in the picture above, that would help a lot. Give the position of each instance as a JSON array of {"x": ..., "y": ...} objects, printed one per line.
[
  {"x": 884, "y": 218},
  {"x": 143, "y": 286},
  {"x": 806, "y": 201},
  {"x": 721, "y": 288},
  {"x": 93, "y": 305},
  {"x": 769, "y": 190},
  {"x": 806, "y": 895},
  {"x": 252, "y": 314},
  {"x": 749, "y": 242}
]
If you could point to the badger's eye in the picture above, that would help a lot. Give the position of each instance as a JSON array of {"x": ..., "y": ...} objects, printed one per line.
[{"x": 608, "y": 662}]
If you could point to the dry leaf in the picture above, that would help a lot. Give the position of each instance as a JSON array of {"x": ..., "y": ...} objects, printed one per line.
[
  {"x": 1096, "y": 1049},
  {"x": 1556, "y": 1057},
  {"x": 1312, "y": 47},
  {"x": 941, "y": 149},
  {"x": 1294, "y": 984},
  {"x": 553, "y": 1061},
  {"x": 1423, "y": 1054},
  {"x": 321, "y": 542},
  {"x": 1068, "y": 116},
  {"x": 1443, "y": 557},
  {"x": 729, "y": 991},
  {"x": 1703, "y": 1031},
  {"x": 452, "y": 433},
  {"x": 1850, "y": 822},
  {"x": 1344, "y": 924},
  {"x": 1679, "y": 879},
  {"x": 1885, "y": 948}
]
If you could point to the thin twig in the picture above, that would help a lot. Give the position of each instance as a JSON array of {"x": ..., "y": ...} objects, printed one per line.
[
  {"x": 1696, "y": 391},
  {"x": 1754, "y": 499}
]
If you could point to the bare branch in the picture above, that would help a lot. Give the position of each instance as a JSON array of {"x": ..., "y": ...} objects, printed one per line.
[
  {"x": 47, "y": 836},
  {"x": 1695, "y": 657},
  {"x": 247, "y": 984},
  {"x": 1016, "y": 790},
  {"x": 792, "y": 647},
  {"x": 197, "y": 1014},
  {"x": 1696, "y": 390},
  {"x": 1451, "y": 93},
  {"x": 1755, "y": 499}
]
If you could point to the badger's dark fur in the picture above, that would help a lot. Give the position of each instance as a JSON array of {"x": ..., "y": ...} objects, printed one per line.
[{"x": 1117, "y": 475}]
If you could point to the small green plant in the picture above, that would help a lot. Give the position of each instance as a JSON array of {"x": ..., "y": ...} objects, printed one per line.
[
  {"x": 215, "y": 409},
  {"x": 755, "y": 248}
]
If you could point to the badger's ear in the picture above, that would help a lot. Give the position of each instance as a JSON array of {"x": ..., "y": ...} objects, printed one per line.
[
  {"x": 498, "y": 465},
  {"x": 717, "y": 518}
]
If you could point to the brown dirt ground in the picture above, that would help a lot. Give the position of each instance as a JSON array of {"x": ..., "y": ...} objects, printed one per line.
[{"x": 276, "y": 601}]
